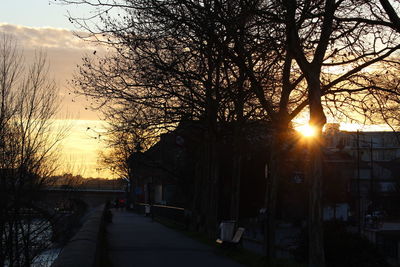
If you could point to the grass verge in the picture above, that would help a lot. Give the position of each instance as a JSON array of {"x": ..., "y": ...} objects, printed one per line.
[{"x": 238, "y": 254}]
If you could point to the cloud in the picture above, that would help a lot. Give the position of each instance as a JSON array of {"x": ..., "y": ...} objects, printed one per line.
[
  {"x": 39, "y": 38},
  {"x": 64, "y": 52}
]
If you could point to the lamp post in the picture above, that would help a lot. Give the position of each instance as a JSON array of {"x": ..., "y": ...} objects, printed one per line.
[
  {"x": 358, "y": 182},
  {"x": 134, "y": 163},
  {"x": 371, "y": 182}
]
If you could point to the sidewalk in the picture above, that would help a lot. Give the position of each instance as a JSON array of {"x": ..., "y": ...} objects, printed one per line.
[{"x": 134, "y": 240}]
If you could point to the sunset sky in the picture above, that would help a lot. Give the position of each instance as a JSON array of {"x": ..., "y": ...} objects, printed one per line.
[{"x": 40, "y": 25}]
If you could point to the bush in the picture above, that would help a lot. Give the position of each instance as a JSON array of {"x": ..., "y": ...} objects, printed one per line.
[{"x": 343, "y": 249}]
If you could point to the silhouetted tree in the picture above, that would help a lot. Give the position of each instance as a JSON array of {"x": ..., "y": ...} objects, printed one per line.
[
  {"x": 319, "y": 44},
  {"x": 169, "y": 65},
  {"x": 28, "y": 142},
  {"x": 198, "y": 59}
]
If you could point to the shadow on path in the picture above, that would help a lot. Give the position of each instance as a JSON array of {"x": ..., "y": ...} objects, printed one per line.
[{"x": 134, "y": 240}]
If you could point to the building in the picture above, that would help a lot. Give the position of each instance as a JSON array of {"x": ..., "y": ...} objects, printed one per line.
[
  {"x": 170, "y": 170},
  {"x": 376, "y": 171},
  {"x": 163, "y": 173},
  {"x": 374, "y": 185}
]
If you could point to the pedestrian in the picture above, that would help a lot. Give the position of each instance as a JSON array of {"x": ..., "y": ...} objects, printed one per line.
[{"x": 121, "y": 203}]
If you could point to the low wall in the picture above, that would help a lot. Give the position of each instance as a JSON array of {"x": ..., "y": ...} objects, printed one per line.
[
  {"x": 174, "y": 214},
  {"x": 84, "y": 248}
]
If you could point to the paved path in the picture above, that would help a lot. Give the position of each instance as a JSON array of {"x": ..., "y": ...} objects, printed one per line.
[{"x": 134, "y": 240}]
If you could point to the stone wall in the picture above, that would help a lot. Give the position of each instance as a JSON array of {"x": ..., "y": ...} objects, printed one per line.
[{"x": 84, "y": 248}]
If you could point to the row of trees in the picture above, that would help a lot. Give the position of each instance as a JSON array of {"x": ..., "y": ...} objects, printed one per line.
[
  {"x": 231, "y": 62},
  {"x": 28, "y": 103},
  {"x": 72, "y": 182}
]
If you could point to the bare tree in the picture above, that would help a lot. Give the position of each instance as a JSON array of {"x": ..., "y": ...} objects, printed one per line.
[
  {"x": 170, "y": 64},
  {"x": 182, "y": 58},
  {"x": 323, "y": 62},
  {"x": 315, "y": 46},
  {"x": 28, "y": 144}
]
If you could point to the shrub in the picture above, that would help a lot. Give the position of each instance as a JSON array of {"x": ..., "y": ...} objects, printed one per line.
[{"x": 343, "y": 249}]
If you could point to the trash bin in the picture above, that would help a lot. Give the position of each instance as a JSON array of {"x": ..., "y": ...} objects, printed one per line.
[
  {"x": 147, "y": 210},
  {"x": 227, "y": 229}
]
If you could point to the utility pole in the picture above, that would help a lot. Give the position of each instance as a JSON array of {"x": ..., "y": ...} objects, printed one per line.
[
  {"x": 358, "y": 182},
  {"x": 372, "y": 182}
]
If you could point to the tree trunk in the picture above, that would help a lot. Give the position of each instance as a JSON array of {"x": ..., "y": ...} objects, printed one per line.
[
  {"x": 236, "y": 179},
  {"x": 316, "y": 247},
  {"x": 236, "y": 171},
  {"x": 213, "y": 185},
  {"x": 270, "y": 201},
  {"x": 274, "y": 165},
  {"x": 317, "y": 120}
]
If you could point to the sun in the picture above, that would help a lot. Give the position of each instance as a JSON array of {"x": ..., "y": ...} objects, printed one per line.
[{"x": 306, "y": 130}]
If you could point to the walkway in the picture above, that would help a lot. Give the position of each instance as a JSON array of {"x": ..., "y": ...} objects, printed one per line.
[{"x": 134, "y": 240}]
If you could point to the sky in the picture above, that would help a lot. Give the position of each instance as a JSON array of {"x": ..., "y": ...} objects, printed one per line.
[
  {"x": 39, "y": 13},
  {"x": 43, "y": 25}
]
